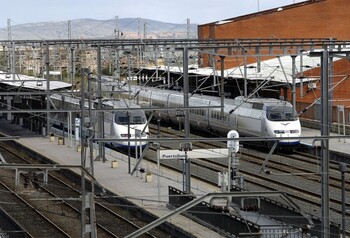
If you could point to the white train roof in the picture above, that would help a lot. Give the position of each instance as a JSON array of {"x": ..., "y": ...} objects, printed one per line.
[
  {"x": 113, "y": 103},
  {"x": 276, "y": 69},
  {"x": 120, "y": 103},
  {"x": 266, "y": 101},
  {"x": 30, "y": 82},
  {"x": 197, "y": 99}
]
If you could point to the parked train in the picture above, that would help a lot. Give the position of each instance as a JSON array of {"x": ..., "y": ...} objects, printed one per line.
[
  {"x": 253, "y": 117},
  {"x": 117, "y": 123}
]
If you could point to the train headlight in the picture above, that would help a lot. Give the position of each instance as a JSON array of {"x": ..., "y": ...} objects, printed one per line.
[
  {"x": 278, "y": 131},
  {"x": 294, "y": 131}
]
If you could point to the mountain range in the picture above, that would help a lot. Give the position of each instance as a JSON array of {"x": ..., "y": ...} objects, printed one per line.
[{"x": 92, "y": 28}]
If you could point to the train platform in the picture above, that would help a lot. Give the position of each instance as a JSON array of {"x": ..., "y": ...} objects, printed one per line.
[
  {"x": 147, "y": 194},
  {"x": 335, "y": 145}
]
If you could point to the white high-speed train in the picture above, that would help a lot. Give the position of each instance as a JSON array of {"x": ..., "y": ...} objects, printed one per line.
[
  {"x": 120, "y": 118},
  {"x": 253, "y": 117}
]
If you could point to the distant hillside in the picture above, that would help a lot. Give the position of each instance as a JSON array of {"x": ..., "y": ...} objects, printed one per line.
[{"x": 91, "y": 28}]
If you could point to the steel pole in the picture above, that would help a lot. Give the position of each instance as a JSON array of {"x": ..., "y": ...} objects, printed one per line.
[
  {"x": 293, "y": 84},
  {"x": 222, "y": 88},
  {"x": 13, "y": 59},
  {"x": 168, "y": 66},
  {"x": 101, "y": 146},
  {"x": 245, "y": 74},
  {"x": 187, "y": 118},
  {"x": 47, "y": 64},
  {"x": 325, "y": 131},
  {"x": 82, "y": 155}
]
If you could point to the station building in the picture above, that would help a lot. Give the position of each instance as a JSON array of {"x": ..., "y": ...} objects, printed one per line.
[{"x": 313, "y": 19}]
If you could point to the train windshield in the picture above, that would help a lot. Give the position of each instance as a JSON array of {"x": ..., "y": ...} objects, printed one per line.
[
  {"x": 281, "y": 113},
  {"x": 136, "y": 117}
]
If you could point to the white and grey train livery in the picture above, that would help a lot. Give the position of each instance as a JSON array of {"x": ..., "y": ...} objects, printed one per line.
[
  {"x": 120, "y": 117},
  {"x": 254, "y": 117}
]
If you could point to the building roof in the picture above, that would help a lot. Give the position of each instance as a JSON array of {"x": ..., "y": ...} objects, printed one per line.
[
  {"x": 32, "y": 83},
  {"x": 266, "y": 12},
  {"x": 278, "y": 70}
]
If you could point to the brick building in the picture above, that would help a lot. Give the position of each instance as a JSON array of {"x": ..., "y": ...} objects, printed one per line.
[{"x": 310, "y": 19}]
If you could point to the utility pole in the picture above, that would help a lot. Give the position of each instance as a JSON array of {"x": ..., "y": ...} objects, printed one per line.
[
  {"x": 47, "y": 66},
  {"x": 222, "y": 84},
  {"x": 88, "y": 217},
  {"x": 144, "y": 30},
  {"x": 293, "y": 84},
  {"x": 139, "y": 28},
  {"x": 72, "y": 66},
  {"x": 245, "y": 74},
  {"x": 69, "y": 29},
  {"x": 116, "y": 29},
  {"x": 325, "y": 131},
  {"x": 186, "y": 146},
  {"x": 188, "y": 28},
  {"x": 11, "y": 61},
  {"x": 101, "y": 146},
  {"x": 9, "y": 32}
]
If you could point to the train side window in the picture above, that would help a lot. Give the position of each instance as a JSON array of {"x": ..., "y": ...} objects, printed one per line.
[
  {"x": 158, "y": 103},
  {"x": 258, "y": 106},
  {"x": 216, "y": 115},
  {"x": 145, "y": 100}
]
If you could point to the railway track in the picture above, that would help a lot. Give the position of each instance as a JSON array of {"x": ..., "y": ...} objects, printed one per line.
[
  {"x": 296, "y": 174},
  {"x": 59, "y": 204},
  {"x": 16, "y": 204}
]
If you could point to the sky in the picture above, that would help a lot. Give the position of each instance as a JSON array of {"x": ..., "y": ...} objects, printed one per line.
[{"x": 171, "y": 11}]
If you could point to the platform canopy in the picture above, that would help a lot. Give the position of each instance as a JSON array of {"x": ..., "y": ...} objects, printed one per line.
[
  {"x": 31, "y": 83},
  {"x": 278, "y": 70}
]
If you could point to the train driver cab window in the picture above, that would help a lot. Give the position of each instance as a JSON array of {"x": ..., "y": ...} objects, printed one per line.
[
  {"x": 280, "y": 113},
  {"x": 136, "y": 117},
  {"x": 121, "y": 118},
  {"x": 274, "y": 116}
]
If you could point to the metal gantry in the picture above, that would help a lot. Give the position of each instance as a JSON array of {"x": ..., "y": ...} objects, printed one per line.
[{"x": 94, "y": 51}]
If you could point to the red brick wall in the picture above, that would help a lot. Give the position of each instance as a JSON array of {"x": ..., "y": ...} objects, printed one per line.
[
  {"x": 317, "y": 19},
  {"x": 340, "y": 85},
  {"x": 312, "y": 19}
]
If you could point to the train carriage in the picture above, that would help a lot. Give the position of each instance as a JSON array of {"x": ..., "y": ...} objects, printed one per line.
[
  {"x": 119, "y": 118},
  {"x": 253, "y": 117}
]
